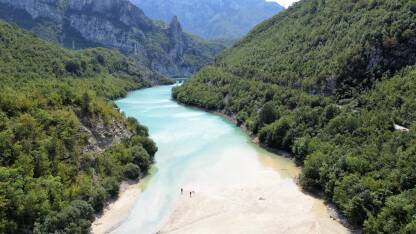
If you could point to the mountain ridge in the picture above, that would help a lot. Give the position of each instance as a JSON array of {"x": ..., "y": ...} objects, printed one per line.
[
  {"x": 214, "y": 19},
  {"x": 117, "y": 24}
]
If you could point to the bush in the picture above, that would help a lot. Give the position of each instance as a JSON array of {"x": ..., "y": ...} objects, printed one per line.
[
  {"x": 132, "y": 171},
  {"x": 76, "y": 218},
  {"x": 147, "y": 143},
  {"x": 73, "y": 67},
  {"x": 398, "y": 216},
  {"x": 136, "y": 127},
  {"x": 111, "y": 185},
  {"x": 268, "y": 114},
  {"x": 141, "y": 158},
  {"x": 276, "y": 134}
]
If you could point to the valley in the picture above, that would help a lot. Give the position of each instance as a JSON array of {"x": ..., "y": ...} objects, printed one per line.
[{"x": 281, "y": 120}]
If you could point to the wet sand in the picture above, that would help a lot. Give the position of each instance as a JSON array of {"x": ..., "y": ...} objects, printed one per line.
[
  {"x": 273, "y": 205},
  {"x": 117, "y": 211}
]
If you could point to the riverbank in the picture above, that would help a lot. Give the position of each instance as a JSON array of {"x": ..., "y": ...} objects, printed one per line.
[
  {"x": 331, "y": 208},
  {"x": 118, "y": 210},
  {"x": 254, "y": 137}
]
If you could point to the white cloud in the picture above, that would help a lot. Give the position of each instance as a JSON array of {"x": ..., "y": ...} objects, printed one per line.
[{"x": 285, "y": 3}]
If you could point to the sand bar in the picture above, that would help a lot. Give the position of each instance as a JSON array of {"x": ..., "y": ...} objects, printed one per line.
[{"x": 273, "y": 205}]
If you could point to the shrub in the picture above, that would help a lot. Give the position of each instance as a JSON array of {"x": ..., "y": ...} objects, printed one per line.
[{"x": 132, "y": 171}]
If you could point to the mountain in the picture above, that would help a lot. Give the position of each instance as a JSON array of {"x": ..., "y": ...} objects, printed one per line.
[
  {"x": 114, "y": 24},
  {"x": 332, "y": 82},
  {"x": 212, "y": 19},
  {"x": 333, "y": 56},
  {"x": 64, "y": 149}
]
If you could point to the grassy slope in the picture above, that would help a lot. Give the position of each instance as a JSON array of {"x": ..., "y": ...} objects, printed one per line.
[
  {"x": 48, "y": 182},
  {"x": 349, "y": 148}
]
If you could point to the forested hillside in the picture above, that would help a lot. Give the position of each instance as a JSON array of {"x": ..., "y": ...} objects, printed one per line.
[
  {"x": 328, "y": 47},
  {"x": 63, "y": 148},
  {"x": 333, "y": 82}
]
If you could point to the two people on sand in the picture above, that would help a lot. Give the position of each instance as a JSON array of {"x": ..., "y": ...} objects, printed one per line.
[{"x": 190, "y": 192}]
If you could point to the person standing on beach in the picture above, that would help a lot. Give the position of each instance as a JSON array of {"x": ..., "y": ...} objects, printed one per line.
[
  {"x": 181, "y": 191},
  {"x": 190, "y": 194}
]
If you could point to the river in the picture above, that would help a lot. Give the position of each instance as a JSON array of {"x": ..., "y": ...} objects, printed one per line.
[{"x": 238, "y": 187}]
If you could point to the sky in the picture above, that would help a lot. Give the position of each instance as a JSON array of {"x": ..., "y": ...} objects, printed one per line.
[{"x": 285, "y": 3}]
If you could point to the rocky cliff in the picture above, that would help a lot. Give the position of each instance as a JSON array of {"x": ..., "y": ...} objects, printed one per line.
[
  {"x": 116, "y": 24},
  {"x": 101, "y": 136},
  {"x": 213, "y": 19}
]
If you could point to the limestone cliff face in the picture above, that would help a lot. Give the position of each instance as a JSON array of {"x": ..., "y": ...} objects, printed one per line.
[
  {"x": 101, "y": 136},
  {"x": 116, "y": 24},
  {"x": 176, "y": 39},
  {"x": 214, "y": 19},
  {"x": 39, "y": 8}
]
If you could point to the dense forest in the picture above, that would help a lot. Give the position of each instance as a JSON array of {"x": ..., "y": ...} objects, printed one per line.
[
  {"x": 328, "y": 47},
  {"x": 333, "y": 82},
  {"x": 64, "y": 148}
]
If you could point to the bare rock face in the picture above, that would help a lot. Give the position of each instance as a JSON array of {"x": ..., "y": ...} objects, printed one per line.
[
  {"x": 214, "y": 19},
  {"x": 115, "y": 24},
  {"x": 176, "y": 39},
  {"x": 39, "y": 8},
  {"x": 102, "y": 136}
]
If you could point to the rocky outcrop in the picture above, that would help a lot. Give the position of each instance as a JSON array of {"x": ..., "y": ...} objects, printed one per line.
[
  {"x": 39, "y": 8},
  {"x": 101, "y": 135},
  {"x": 116, "y": 24},
  {"x": 176, "y": 39}
]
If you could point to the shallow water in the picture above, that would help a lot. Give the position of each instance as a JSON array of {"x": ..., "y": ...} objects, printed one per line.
[{"x": 198, "y": 151}]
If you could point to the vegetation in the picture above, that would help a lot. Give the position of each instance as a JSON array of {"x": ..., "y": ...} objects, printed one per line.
[
  {"x": 51, "y": 99},
  {"x": 328, "y": 47},
  {"x": 351, "y": 149}
]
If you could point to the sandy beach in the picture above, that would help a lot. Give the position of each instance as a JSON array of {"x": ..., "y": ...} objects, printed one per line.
[
  {"x": 117, "y": 211},
  {"x": 269, "y": 202},
  {"x": 272, "y": 205}
]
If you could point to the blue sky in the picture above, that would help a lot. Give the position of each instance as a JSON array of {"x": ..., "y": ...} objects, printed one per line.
[{"x": 285, "y": 3}]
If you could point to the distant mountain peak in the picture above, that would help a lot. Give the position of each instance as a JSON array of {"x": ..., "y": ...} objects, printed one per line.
[
  {"x": 175, "y": 24},
  {"x": 212, "y": 19}
]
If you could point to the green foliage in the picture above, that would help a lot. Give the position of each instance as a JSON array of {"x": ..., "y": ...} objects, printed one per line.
[
  {"x": 75, "y": 218},
  {"x": 276, "y": 135},
  {"x": 131, "y": 171},
  {"x": 268, "y": 114},
  {"x": 327, "y": 46},
  {"x": 50, "y": 182},
  {"x": 398, "y": 216},
  {"x": 147, "y": 144}
]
